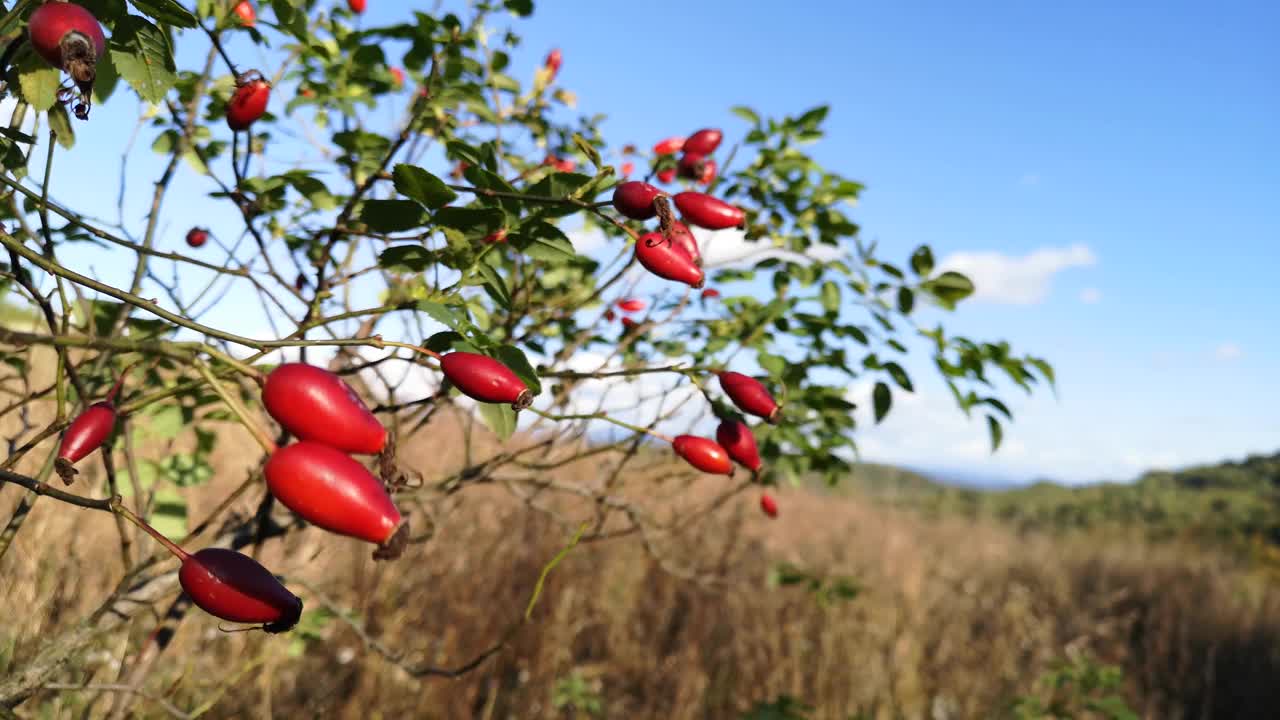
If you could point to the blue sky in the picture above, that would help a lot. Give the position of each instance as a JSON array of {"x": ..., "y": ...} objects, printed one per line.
[{"x": 1106, "y": 175}]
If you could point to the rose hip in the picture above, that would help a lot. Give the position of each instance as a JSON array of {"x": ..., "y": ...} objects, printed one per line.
[
  {"x": 635, "y": 199},
  {"x": 236, "y": 588},
  {"x": 737, "y": 440},
  {"x": 768, "y": 505},
  {"x": 248, "y": 103},
  {"x": 317, "y": 405},
  {"x": 708, "y": 212},
  {"x": 750, "y": 395},
  {"x": 482, "y": 378},
  {"x": 703, "y": 142},
  {"x": 665, "y": 259},
  {"x": 705, "y": 455}
]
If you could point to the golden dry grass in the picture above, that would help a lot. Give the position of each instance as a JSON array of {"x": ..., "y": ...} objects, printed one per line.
[{"x": 955, "y": 619}]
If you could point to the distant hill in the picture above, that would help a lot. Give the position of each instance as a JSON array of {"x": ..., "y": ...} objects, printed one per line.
[{"x": 1236, "y": 502}]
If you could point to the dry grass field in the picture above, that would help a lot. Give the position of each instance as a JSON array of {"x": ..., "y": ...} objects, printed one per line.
[{"x": 952, "y": 618}]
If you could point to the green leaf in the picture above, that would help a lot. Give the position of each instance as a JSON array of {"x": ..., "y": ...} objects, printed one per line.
[
  {"x": 587, "y": 149},
  {"x": 442, "y": 341},
  {"x": 499, "y": 417},
  {"x": 471, "y": 221},
  {"x": 881, "y": 400},
  {"x": 39, "y": 82},
  {"x": 949, "y": 288},
  {"x": 442, "y": 315},
  {"x": 494, "y": 283},
  {"x": 899, "y": 376},
  {"x": 830, "y": 297},
  {"x": 143, "y": 57},
  {"x": 906, "y": 300},
  {"x": 997, "y": 434},
  {"x": 418, "y": 184},
  {"x": 514, "y": 358},
  {"x": 922, "y": 261},
  {"x": 406, "y": 258},
  {"x": 388, "y": 216},
  {"x": 60, "y": 124},
  {"x": 166, "y": 11},
  {"x": 543, "y": 241},
  {"x": 523, "y": 8},
  {"x": 772, "y": 364},
  {"x": 745, "y": 113}
]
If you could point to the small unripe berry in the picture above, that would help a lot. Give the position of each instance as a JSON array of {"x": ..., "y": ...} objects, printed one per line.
[{"x": 553, "y": 61}]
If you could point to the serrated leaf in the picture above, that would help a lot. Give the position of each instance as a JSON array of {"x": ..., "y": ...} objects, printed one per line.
[
  {"x": 38, "y": 82},
  {"x": 881, "y": 400},
  {"x": 388, "y": 216},
  {"x": 166, "y": 11},
  {"x": 442, "y": 341},
  {"x": 499, "y": 417},
  {"x": 418, "y": 184},
  {"x": 543, "y": 241},
  {"x": 442, "y": 315},
  {"x": 142, "y": 55}
]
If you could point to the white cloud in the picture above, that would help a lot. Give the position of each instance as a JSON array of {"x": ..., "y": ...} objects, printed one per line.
[
  {"x": 1017, "y": 280},
  {"x": 1228, "y": 351},
  {"x": 1091, "y": 296}
]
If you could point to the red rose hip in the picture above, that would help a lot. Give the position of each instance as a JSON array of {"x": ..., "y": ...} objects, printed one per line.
[
  {"x": 691, "y": 166},
  {"x": 87, "y": 432},
  {"x": 705, "y": 455},
  {"x": 357, "y": 6},
  {"x": 750, "y": 395},
  {"x": 768, "y": 505},
  {"x": 635, "y": 199},
  {"x": 332, "y": 491},
  {"x": 248, "y": 16},
  {"x": 669, "y": 146},
  {"x": 248, "y": 103},
  {"x": 703, "y": 142},
  {"x": 197, "y": 237},
  {"x": 553, "y": 61},
  {"x": 683, "y": 239},
  {"x": 69, "y": 38},
  {"x": 319, "y": 406},
  {"x": 482, "y": 378},
  {"x": 667, "y": 260},
  {"x": 631, "y": 305},
  {"x": 708, "y": 212},
  {"x": 737, "y": 440},
  {"x": 667, "y": 175},
  {"x": 236, "y": 588}
]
